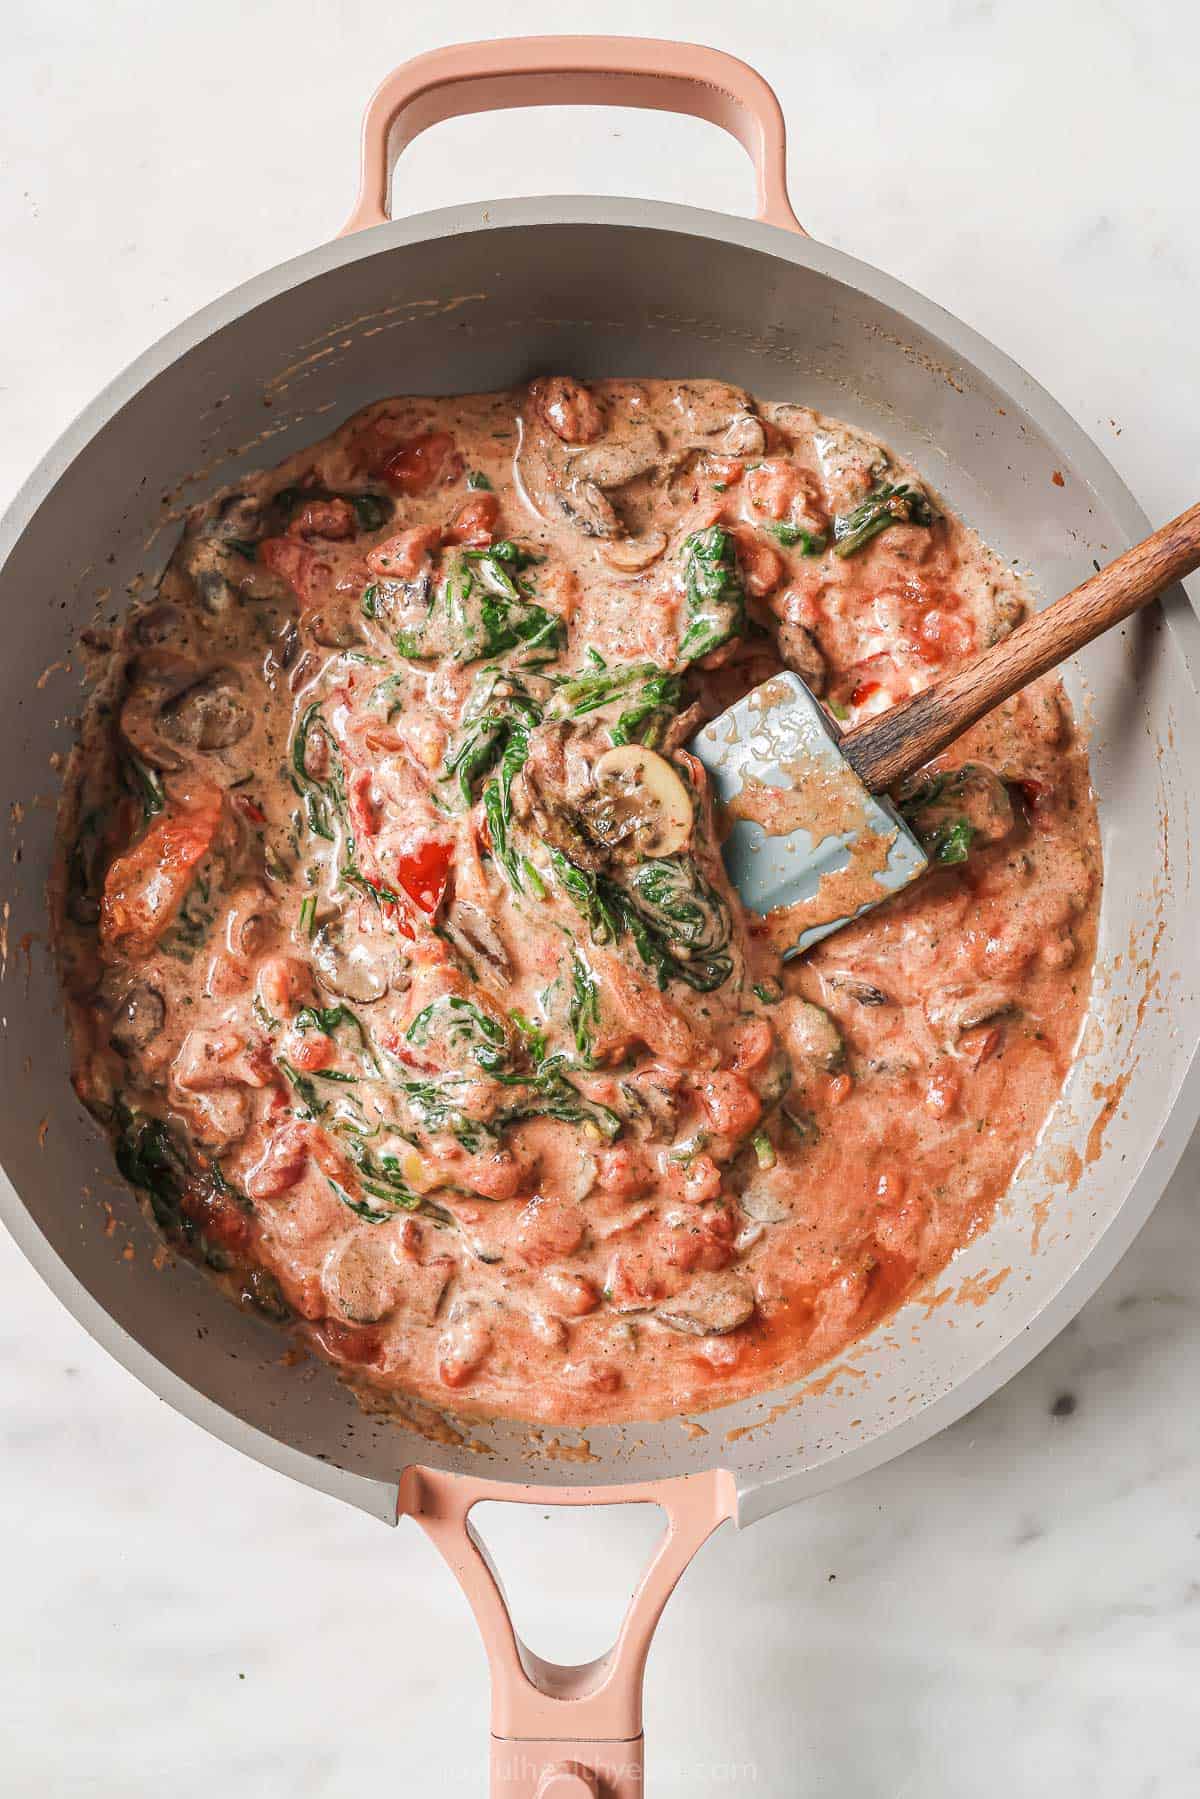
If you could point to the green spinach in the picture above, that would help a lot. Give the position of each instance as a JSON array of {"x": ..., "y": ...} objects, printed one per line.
[
  {"x": 715, "y": 601},
  {"x": 889, "y": 505}
]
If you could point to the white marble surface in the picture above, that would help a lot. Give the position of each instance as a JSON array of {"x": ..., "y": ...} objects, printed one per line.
[{"x": 1014, "y": 1607}]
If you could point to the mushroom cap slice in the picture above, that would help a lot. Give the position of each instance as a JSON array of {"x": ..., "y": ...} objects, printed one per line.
[
  {"x": 712, "y": 1305},
  {"x": 642, "y": 800}
]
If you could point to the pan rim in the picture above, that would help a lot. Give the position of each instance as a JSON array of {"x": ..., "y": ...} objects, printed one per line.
[{"x": 757, "y": 1496}]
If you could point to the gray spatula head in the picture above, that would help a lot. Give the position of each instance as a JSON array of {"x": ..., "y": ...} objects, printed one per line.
[{"x": 806, "y": 834}]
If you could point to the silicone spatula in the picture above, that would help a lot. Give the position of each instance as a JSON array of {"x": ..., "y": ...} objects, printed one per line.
[{"x": 813, "y": 828}]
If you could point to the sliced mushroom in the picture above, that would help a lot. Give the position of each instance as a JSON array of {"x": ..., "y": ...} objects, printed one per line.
[
  {"x": 261, "y": 1290},
  {"x": 470, "y": 928},
  {"x": 362, "y": 1276},
  {"x": 865, "y": 992},
  {"x": 551, "y": 789},
  {"x": 138, "y": 1019},
  {"x": 684, "y": 726},
  {"x": 465, "y": 1344},
  {"x": 651, "y": 1106},
  {"x": 746, "y": 436},
  {"x": 211, "y": 715},
  {"x": 250, "y": 926},
  {"x": 586, "y": 508},
  {"x": 710, "y": 1306},
  {"x": 764, "y": 1197},
  {"x": 282, "y": 653},
  {"x": 156, "y": 676},
  {"x": 851, "y": 465},
  {"x": 568, "y": 407},
  {"x": 773, "y": 1078},
  {"x": 158, "y": 624},
  {"x": 798, "y": 650},
  {"x": 810, "y": 1036},
  {"x": 628, "y": 555},
  {"x": 332, "y": 628},
  {"x": 705, "y": 408},
  {"x": 952, "y": 1012},
  {"x": 217, "y": 593},
  {"x": 619, "y": 457},
  {"x": 973, "y": 796},
  {"x": 239, "y": 517},
  {"x": 641, "y": 803},
  {"x": 349, "y": 966}
]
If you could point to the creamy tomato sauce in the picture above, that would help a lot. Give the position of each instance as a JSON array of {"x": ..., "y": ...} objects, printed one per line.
[{"x": 401, "y": 961}]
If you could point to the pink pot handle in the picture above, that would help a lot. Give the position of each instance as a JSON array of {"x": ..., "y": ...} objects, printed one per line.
[
  {"x": 566, "y": 1732},
  {"x": 573, "y": 71}
]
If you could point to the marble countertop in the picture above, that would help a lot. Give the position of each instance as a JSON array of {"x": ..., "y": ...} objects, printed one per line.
[{"x": 1013, "y": 1607}]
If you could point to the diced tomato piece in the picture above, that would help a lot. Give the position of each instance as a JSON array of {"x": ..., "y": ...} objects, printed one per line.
[
  {"x": 548, "y": 1230},
  {"x": 574, "y": 1294},
  {"x": 217, "y": 1215},
  {"x": 703, "y": 1242},
  {"x": 724, "y": 470},
  {"x": 624, "y": 1171},
  {"x": 348, "y": 1342},
  {"x": 364, "y": 813},
  {"x": 249, "y": 808},
  {"x": 282, "y": 979},
  {"x": 732, "y": 1105},
  {"x": 422, "y": 462},
  {"x": 863, "y": 692},
  {"x": 309, "y": 1051},
  {"x": 631, "y": 1284},
  {"x": 1032, "y": 792},
  {"x": 980, "y": 1044},
  {"x": 760, "y": 563},
  {"x": 424, "y": 872},
  {"x": 942, "y": 637},
  {"x": 475, "y": 520},
  {"x": 144, "y": 888},
  {"x": 753, "y": 1042},
  {"x": 335, "y": 519},
  {"x": 774, "y": 486},
  {"x": 694, "y": 1181},
  {"x": 294, "y": 562},
  {"x": 402, "y": 557},
  {"x": 497, "y": 1174},
  {"x": 282, "y": 1166}
]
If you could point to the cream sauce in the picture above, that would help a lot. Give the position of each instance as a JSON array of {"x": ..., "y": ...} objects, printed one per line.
[{"x": 390, "y": 1014}]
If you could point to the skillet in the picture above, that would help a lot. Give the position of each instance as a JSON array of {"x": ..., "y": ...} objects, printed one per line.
[{"x": 477, "y": 297}]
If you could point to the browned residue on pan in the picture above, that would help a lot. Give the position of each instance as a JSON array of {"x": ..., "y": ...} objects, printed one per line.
[
  {"x": 812, "y": 1389},
  {"x": 558, "y": 1451},
  {"x": 1112, "y": 1093},
  {"x": 769, "y": 1417},
  {"x": 977, "y": 1289},
  {"x": 432, "y": 1425}
]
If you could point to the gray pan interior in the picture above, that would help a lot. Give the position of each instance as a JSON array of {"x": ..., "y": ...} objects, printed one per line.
[{"x": 477, "y": 298}]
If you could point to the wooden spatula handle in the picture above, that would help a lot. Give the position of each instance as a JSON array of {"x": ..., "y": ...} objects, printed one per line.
[{"x": 897, "y": 742}]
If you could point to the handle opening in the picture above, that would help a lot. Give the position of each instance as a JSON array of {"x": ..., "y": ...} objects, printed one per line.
[
  {"x": 556, "y": 150},
  {"x": 581, "y": 71},
  {"x": 567, "y": 1578},
  {"x": 547, "y": 1717}
]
